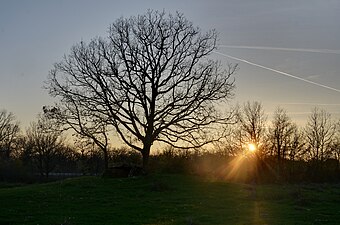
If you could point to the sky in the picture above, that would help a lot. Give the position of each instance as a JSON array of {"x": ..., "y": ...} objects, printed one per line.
[{"x": 288, "y": 52}]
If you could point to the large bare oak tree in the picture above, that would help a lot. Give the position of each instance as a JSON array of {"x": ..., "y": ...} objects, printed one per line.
[{"x": 151, "y": 80}]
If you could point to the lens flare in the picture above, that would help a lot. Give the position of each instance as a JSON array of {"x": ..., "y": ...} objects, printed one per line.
[{"x": 251, "y": 147}]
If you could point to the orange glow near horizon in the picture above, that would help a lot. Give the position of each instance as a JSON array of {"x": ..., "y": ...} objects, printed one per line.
[{"x": 251, "y": 147}]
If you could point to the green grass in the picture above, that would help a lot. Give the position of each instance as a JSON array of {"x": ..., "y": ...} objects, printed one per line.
[{"x": 167, "y": 200}]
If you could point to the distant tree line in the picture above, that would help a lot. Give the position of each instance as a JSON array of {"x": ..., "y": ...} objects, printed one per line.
[
  {"x": 42, "y": 149},
  {"x": 284, "y": 151}
]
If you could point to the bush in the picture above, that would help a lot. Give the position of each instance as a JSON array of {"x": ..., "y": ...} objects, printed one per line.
[{"x": 15, "y": 171}]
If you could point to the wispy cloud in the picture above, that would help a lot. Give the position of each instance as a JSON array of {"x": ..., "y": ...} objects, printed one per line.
[
  {"x": 278, "y": 71},
  {"x": 309, "y": 103},
  {"x": 308, "y": 113},
  {"x": 313, "y": 77},
  {"x": 304, "y": 113},
  {"x": 327, "y": 51}
]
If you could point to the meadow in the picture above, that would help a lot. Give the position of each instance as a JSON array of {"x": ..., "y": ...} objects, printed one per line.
[{"x": 167, "y": 199}]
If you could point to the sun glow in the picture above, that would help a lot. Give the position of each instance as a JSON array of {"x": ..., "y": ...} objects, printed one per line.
[{"x": 251, "y": 147}]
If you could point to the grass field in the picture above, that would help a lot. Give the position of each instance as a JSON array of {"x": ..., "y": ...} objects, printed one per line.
[{"x": 167, "y": 200}]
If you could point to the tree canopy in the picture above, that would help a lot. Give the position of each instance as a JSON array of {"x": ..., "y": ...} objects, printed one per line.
[{"x": 150, "y": 80}]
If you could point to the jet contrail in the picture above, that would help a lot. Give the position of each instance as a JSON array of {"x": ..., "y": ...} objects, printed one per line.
[
  {"x": 277, "y": 71},
  {"x": 330, "y": 51}
]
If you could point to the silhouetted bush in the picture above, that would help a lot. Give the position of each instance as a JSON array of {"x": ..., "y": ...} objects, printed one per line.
[
  {"x": 121, "y": 170},
  {"x": 171, "y": 161},
  {"x": 15, "y": 171},
  {"x": 125, "y": 155}
]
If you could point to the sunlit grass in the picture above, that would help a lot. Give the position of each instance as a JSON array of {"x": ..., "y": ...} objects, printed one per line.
[{"x": 168, "y": 200}]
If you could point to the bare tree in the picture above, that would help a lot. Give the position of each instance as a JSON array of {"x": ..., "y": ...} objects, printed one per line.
[
  {"x": 232, "y": 144},
  {"x": 9, "y": 129},
  {"x": 285, "y": 141},
  {"x": 296, "y": 144},
  {"x": 151, "y": 80},
  {"x": 92, "y": 129},
  {"x": 43, "y": 145},
  {"x": 280, "y": 133},
  {"x": 252, "y": 121},
  {"x": 335, "y": 147},
  {"x": 320, "y": 131}
]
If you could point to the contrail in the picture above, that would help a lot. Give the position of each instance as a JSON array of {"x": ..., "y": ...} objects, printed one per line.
[
  {"x": 277, "y": 71},
  {"x": 330, "y": 51}
]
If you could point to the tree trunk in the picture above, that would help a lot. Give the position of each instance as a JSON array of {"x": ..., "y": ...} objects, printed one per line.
[
  {"x": 278, "y": 160},
  {"x": 106, "y": 160},
  {"x": 145, "y": 155},
  {"x": 8, "y": 152}
]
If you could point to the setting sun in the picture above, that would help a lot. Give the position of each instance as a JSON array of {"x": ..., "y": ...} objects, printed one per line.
[{"x": 251, "y": 147}]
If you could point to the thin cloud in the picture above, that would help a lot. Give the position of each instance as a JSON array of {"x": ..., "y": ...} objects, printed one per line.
[
  {"x": 278, "y": 71},
  {"x": 326, "y": 51},
  {"x": 306, "y": 103},
  {"x": 313, "y": 77},
  {"x": 303, "y": 113},
  {"x": 308, "y": 113}
]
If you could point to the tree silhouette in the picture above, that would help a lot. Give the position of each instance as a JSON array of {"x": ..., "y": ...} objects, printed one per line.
[
  {"x": 320, "y": 132},
  {"x": 44, "y": 144},
  {"x": 73, "y": 116},
  {"x": 9, "y": 130},
  {"x": 151, "y": 80},
  {"x": 284, "y": 139},
  {"x": 252, "y": 124},
  {"x": 280, "y": 133}
]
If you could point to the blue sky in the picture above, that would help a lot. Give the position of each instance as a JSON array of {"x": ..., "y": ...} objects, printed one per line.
[{"x": 299, "y": 38}]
